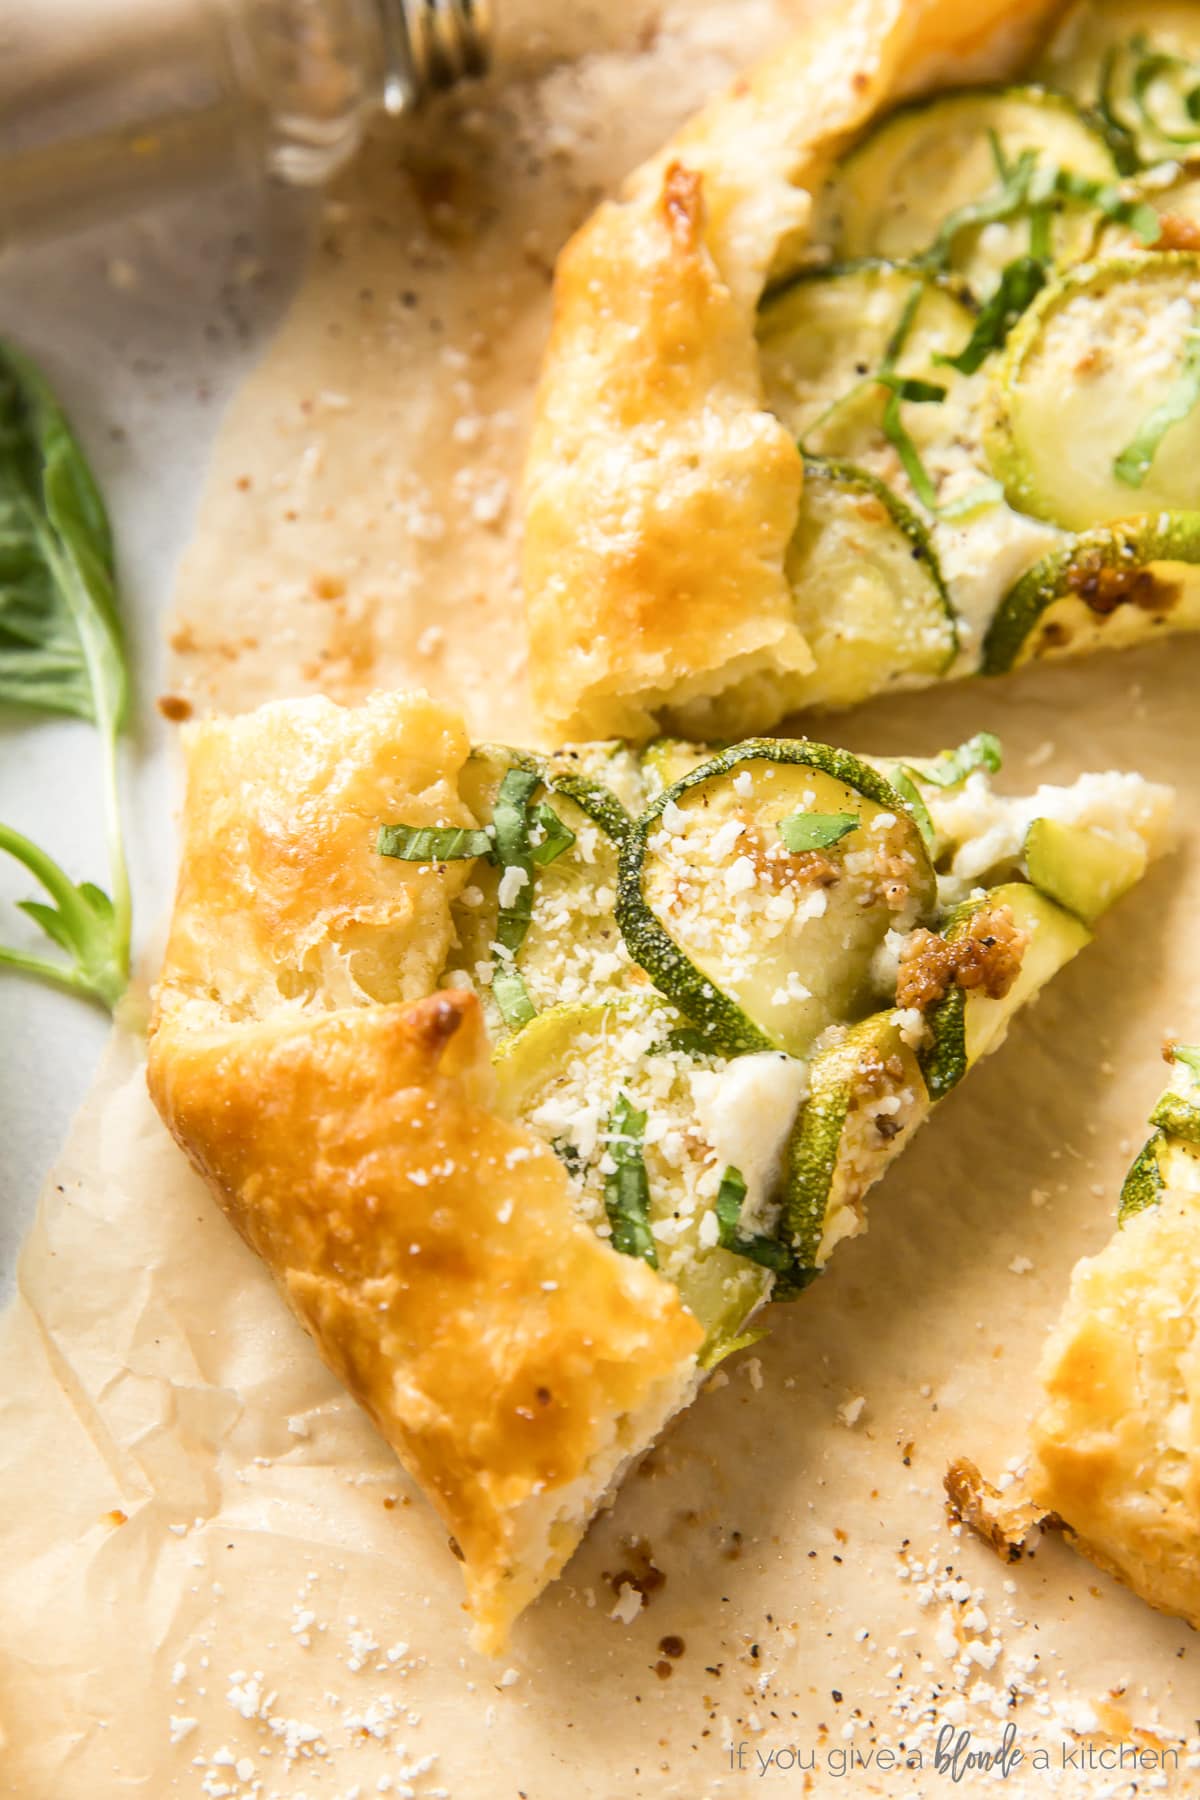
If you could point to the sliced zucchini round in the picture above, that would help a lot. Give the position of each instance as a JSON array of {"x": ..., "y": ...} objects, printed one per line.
[
  {"x": 869, "y": 594},
  {"x": 866, "y": 1098},
  {"x": 761, "y": 945},
  {"x": 926, "y": 178},
  {"x": 602, "y": 1086},
  {"x": 1137, "y": 62},
  {"x": 1174, "y": 194},
  {"x": 1092, "y": 411},
  {"x": 966, "y": 1025},
  {"x": 1083, "y": 870},
  {"x": 828, "y": 332},
  {"x": 1107, "y": 588}
]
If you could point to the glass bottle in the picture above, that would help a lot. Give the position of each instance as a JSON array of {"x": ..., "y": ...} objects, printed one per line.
[{"x": 109, "y": 104}]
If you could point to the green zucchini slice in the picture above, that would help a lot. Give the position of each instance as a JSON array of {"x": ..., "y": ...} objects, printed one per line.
[
  {"x": 967, "y": 1025},
  {"x": 866, "y": 1098},
  {"x": 1085, "y": 871},
  {"x": 1137, "y": 62},
  {"x": 825, "y": 335},
  {"x": 571, "y": 947},
  {"x": 1107, "y": 588},
  {"x": 869, "y": 594},
  {"x": 762, "y": 946},
  {"x": 565, "y": 1075},
  {"x": 906, "y": 190},
  {"x": 1092, "y": 413}
]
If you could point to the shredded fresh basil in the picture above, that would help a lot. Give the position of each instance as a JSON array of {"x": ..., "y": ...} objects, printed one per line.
[
  {"x": 1020, "y": 282},
  {"x": 557, "y": 837},
  {"x": 1134, "y": 463},
  {"x": 802, "y": 831},
  {"x": 902, "y": 388},
  {"x": 510, "y": 825},
  {"x": 983, "y": 751},
  {"x": 626, "y": 1186},
  {"x": 908, "y": 791},
  {"x": 766, "y": 1251},
  {"x": 61, "y": 651},
  {"x": 1151, "y": 65},
  {"x": 432, "y": 843}
]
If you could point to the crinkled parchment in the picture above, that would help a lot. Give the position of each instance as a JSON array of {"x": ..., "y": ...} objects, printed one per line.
[{"x": 215, "y": 1580}]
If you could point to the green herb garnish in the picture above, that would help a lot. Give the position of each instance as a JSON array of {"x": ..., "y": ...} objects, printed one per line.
[
  {"x": 983, "y": 751},
  {"x": 802, "y": 831},
  {"x": 510, "y": 824},
  {"x": 556, "y": 837},
  {"x": 908, "y": 791},
  {"x": 766, "y": 1251},
  {"x": 627, "y": 1187},
  {"x": 1188, "y": 1055},
  {"x": 1134, "y": 463},
  {"x": 1020, "y": 281},
  {"x": 432, "y": 843},
  {"x": 60, "y": 651}
]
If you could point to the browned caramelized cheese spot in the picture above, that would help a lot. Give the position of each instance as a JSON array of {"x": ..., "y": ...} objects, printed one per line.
[
  {"x": 987, "y": 956},
  {"x": 1103, "y": 589},
  {"x": 1178, "y": 233}
]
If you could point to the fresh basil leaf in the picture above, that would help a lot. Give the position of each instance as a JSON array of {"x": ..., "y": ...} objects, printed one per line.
[
  {"x": 908, "y": 791},
  {"x": 768, "y": 1252},
  {"x": 59, "y": 641},
  {"x": 1020, "y": 281},
  {"x": 802, "y": 831},
  {"x": 908, "y": 387},
  {"x": 983, "y": 494},
  {"x": 81, "y": 921},
  {"x": 432, "y": 843},
  {"x": 1136, "y": 460},
  {"x": 556, "y": 838},
  {"x": 627, "y": 1186},
  {"x": 983, "y": 751}
]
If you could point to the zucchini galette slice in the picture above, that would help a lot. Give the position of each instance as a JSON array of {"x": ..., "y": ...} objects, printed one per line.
[
  {"x": 881, "y": 372},
  {"x": 533, "y": 1077},
  {"x": 1116, "y": 1452}
]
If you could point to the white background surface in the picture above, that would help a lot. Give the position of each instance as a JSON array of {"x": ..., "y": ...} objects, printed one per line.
[{"x": 143, "y": 328}]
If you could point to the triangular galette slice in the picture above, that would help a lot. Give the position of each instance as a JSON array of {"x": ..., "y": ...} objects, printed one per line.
[
  {"x": 532, "y": 1077},
  {"x": 1116, "y": 1447}
]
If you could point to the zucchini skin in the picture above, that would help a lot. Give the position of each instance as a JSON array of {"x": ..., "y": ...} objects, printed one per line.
[
  {"x": 729, "y": 1030},
  {"x": 848, "y": 474},
  {"x": 591, "y": 797},
  {"x": 1127, "y": 550}
]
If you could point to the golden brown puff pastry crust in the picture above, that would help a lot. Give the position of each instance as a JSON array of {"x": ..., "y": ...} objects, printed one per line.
[
  {"x": 1117, "y": 1442},
  {"x": 512, "y": 1359},
  {"x": 660, "y": 495}
]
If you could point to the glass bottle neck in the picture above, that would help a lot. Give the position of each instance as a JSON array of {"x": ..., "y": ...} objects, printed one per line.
[{"x": 107, "y": 105}]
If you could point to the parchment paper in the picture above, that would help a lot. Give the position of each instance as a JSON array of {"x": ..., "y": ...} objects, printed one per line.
[{"x": 215, "y": 1580}]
